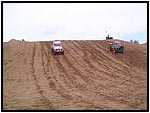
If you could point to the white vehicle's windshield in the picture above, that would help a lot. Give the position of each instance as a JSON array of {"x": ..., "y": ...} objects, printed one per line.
[{"x": 56, "y": 44}]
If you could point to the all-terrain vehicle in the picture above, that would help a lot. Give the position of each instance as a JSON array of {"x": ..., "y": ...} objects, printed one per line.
[
  {"x": 57, "y": 48},
  {"x": 117, "y": 47}
]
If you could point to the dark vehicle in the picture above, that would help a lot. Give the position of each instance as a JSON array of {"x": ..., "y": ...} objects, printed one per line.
[{"x": 116, "y": 47}]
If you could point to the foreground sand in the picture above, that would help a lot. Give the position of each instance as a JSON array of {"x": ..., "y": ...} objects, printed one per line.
[{"x": 86, "y": 77}]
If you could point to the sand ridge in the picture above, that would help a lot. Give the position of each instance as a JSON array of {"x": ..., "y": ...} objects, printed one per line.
[{"x": 87, "y": 76}]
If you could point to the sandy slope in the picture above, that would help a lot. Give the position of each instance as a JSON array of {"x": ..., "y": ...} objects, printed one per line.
[{"x": 86, "y": 77}]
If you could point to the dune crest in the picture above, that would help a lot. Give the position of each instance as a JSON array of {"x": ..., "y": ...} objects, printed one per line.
[{"x": 87, "y": 76}]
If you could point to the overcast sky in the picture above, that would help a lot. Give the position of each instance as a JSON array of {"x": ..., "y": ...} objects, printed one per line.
[{"x": 49, "y": 21}]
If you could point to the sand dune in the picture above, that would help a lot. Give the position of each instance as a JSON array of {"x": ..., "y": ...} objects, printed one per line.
[{"x": 87, "y": 76}]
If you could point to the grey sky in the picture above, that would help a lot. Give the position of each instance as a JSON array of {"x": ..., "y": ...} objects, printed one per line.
[{"x": 50, "y": 21}]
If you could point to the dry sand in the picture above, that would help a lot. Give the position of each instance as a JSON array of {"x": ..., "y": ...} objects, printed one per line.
[{"x": 86, "y": 77}]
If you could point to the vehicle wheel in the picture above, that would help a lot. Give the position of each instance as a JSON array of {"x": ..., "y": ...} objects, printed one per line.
[{"x": 54, "y": 53}]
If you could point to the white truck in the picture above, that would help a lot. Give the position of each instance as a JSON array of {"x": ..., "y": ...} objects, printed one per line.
[{"x": 57, "y": 48}]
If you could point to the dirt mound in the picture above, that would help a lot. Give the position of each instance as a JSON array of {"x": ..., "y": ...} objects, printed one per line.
[
  {"x": 88, "y": 76},
  {"x": 13, "y": 41}
]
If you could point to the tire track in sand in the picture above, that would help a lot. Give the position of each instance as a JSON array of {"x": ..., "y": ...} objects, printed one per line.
[
  {"x": 44, "y": 99},
  {"x": 83, "y": 72},
  {"x": 74, "y": 96},
  {"x": 65, "y": 59},
  {"x": 87, "y": 60},
  {"x": 54, "y": 82}
]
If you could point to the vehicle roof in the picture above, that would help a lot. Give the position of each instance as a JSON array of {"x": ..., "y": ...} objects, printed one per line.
[
  {"x": 57, "y": 42},
  {"x": 117, "y": 42}
]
